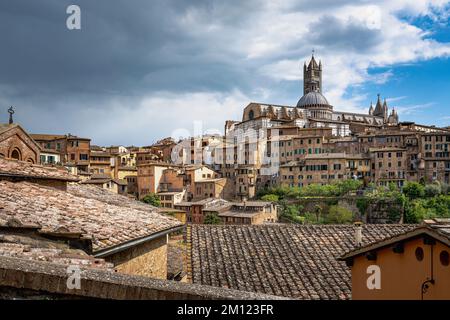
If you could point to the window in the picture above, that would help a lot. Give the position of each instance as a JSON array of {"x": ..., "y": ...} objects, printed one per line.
[
  {"x": 419, "y": 254},
  {"x": 444, "y": 258},
  {"x": 83, "y": 157},
  {"x": 15, "y": 154}
]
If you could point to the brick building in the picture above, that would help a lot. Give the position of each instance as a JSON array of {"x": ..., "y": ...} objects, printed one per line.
[
  {"x": 15, "y": 143},
  {"x": 74, "y": 152}
]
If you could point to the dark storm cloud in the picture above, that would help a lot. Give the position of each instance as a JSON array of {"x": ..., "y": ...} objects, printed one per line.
[
  {"x": 126, "y": 50},
  {"x": 118, "y": 45},
  {"x": 334, "y": 34},
  {"x": 124, "y": 47}
]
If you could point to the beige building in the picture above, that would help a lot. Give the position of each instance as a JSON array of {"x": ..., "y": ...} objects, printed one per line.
[
  {"x": 389, "y": 165},
  {"x": 324, "y": 169},
  {"x": 100, "y": 162},
  {"x": 170, "y": 199},
  {"x": 119, "y": 186}
]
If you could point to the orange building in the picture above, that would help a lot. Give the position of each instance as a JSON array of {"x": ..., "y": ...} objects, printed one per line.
[{"x": 411, "y": 266}]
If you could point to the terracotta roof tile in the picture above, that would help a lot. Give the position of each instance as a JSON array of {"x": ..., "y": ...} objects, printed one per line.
[
  {"x": 285, "y": 260},
  {"x": 16, "y": 168},
  {"x": 108, "y": 219},
  {"x": 40, "y": 250}
]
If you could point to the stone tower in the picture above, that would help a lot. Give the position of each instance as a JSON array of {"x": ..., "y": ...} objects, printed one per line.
[{"x": 312, "y": 76}]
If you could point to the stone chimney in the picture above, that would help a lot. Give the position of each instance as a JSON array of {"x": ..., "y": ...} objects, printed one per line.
[{"x": 358, "y": 233}]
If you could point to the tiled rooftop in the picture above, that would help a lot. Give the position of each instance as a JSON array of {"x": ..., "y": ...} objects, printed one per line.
[
  {"x": 25, "y": 169},
  {"x": 100, "y": 194},
  {"x": 440, "y": 225},
  {"x": 50, "y": 251},
  {"x": 107, "y": 219},
  {"x": 297, "y": 261}
]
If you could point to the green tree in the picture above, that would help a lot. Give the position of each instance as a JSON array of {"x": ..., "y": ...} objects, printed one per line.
[
  {"x": 414, "y": 190},
  {"x": 392, "y": 186},
  {"x": 152, "y": 199},
  {"x": 339, "y": 215},
  {"x": 212, "y": 218},
  {"x": 362, "y": 204},
  {"x": 270, "y": 197},
  {"x": 432, "y": 190}
]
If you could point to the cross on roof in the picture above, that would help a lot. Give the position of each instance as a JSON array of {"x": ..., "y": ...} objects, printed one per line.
[{"x": 11, "y": 112}]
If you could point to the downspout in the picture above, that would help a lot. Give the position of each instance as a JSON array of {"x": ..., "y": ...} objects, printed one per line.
[{"x": 426, "y": 283}]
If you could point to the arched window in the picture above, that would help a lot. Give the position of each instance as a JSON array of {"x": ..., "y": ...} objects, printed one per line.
[
  {"x": 30, "y": 160},
  {"x": 251, "y": 115},
  {"x": 15, "y": 154}
]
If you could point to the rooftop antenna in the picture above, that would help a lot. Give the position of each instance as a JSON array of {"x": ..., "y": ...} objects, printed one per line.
[{"x": 11, "y": 112}]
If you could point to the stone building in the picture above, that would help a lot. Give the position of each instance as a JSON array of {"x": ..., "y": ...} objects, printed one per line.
[
  {"x": 272, "y": 135},
  {"x": 15, "y": 143},
  {"x": 271, "y": 141}
]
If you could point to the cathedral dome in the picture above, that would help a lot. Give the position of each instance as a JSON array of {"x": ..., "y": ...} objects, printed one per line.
[{"x": 313, "y": 99}]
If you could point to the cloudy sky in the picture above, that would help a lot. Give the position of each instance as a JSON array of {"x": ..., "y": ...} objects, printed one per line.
[{"x": 139, "y": 70}]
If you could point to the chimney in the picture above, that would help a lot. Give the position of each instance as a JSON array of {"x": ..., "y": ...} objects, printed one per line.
[{"x": 358, "y": 233}]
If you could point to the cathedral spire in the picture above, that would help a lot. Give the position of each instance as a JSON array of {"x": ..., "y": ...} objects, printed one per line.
[
  {"x": 378, "y": 112},
  {"x": 371, "y": 109},
  {"x": 312, "y": 76}
]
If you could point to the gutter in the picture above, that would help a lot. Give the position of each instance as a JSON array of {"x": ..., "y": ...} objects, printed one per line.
[{"x": 109, "y": 251}]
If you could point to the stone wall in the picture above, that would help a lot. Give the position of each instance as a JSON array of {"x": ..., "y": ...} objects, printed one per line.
[
  {"x": 381, "y": 211},
  {"x": 27, "y": 279},
  {"x": 147, "y": 259}
]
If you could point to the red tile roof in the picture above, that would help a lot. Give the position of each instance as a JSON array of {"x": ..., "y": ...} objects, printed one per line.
[
  {"x": 50, "y": 251},
  {"x": 297, "y": 261},
  {"x": 107, "y": 224},
  {"x": 14, "y": 168}
]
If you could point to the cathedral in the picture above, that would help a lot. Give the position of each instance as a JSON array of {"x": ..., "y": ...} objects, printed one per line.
[{"x": 314, "y": 111}]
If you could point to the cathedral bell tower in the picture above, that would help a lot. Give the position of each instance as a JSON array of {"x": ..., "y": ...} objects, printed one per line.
[{"x": 312, "y": 76}]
